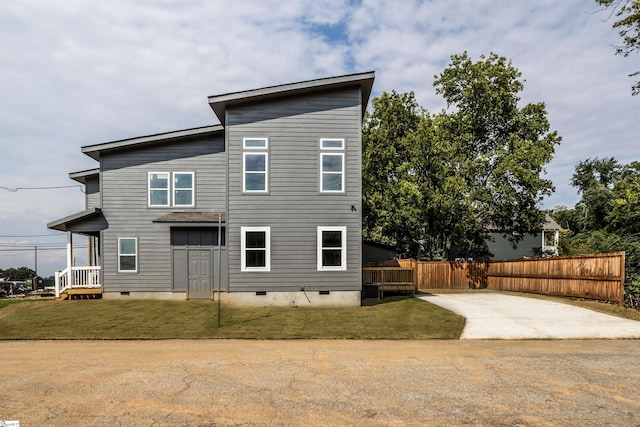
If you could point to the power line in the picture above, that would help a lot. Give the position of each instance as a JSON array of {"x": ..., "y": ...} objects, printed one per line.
[
  {"x": 33, "y": 235},
  {"x": 14, "y": 189},
  {"x": 32, "y": 247}
]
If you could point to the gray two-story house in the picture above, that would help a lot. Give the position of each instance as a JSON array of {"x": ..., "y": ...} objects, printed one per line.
[{"x": 263, "y": 207}]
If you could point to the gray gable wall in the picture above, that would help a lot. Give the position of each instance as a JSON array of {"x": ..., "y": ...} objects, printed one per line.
[
  {"x": 294, "y": 206},
  {"x": 124, "y": 177}
]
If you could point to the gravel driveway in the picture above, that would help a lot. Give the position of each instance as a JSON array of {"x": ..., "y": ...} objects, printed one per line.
[
  {"x": 309, "y": 383},
  {"x": 497, "y": 316}
]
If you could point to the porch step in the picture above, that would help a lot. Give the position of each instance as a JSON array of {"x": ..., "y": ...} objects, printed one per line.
[{"x": 80, "y": 293}]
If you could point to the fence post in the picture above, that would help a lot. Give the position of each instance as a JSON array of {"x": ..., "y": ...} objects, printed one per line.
[{"x": 622, "y": 264}]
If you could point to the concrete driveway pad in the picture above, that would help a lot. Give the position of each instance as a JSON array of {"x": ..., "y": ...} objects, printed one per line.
[{"x": 498, "y": 316}]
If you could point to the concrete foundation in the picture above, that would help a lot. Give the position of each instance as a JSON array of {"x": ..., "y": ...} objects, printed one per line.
[
  {"x": 257, "y": 299},
  {"x": 294, "y": 299},
  {"x": 173, "y": 296}
]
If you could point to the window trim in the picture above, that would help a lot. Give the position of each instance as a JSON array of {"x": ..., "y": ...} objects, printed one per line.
[
  {"x": 135, "y": 239},
  {"x": 343, "y": 248},
  {"x": 171, "y": 189},
  {"x": 266, "y": 143},
  {"x": 322, "y": 172},
  {"x": 168, "y": 189},
  {"x": 266, "y": 171},
  {"x": 193, "y": 189},
  {"x": 243, "y": 249}
]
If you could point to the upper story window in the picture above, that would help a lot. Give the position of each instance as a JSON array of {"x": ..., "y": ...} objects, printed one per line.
[
  {"x": 158, "y": 188},
  {"x": 164, "y": 191},
  {"x": 332, "y": 165},
  {"x": 255, "y": 248},
  {"x": 255, "y": 165},
  {"x": 183, "y": 188}
]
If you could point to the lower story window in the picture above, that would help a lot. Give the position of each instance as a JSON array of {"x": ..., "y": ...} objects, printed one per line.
[
  {"x": 127, "y": 254},
  {"x": 255, "y": 246},
  {"x": 332, "y": 248}
]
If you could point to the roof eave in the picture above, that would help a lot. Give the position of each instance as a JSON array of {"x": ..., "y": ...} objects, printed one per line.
[
  {"x": 81, "y": 176},
  {"x": 61, "y": 224},
  {"x": 94, "y": 151}
]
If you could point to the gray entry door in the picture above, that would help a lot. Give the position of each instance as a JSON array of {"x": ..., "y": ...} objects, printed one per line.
[{"x": 199, "y": 274}]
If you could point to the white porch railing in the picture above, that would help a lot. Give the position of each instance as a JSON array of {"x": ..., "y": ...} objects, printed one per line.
[{"x": 79, "y": 277}]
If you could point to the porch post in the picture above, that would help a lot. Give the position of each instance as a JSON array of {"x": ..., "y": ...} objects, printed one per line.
[{"x": 69, "y": 259}]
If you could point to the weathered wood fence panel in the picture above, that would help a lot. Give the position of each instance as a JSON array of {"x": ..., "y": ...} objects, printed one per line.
[{"x": 597, "y": 276}]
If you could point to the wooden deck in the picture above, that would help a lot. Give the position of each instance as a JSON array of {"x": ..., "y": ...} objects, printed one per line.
[
  {"x": 80, "y": 293},
  {"x": 389, "y": 279}
]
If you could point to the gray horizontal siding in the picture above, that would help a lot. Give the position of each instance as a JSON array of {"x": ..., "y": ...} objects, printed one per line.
[
  {"x": 92, "y": 192},
  {"x": 124, "y": 204},
  {"x": 294, "y": 206}
]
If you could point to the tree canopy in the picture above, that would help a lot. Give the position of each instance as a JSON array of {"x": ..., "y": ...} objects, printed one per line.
[
  {"x": 20, "y": 273},
  {"x": 435, "y": 183},
  {"x": 607, "y": 218},
  {"x": 627, "y": 13}
]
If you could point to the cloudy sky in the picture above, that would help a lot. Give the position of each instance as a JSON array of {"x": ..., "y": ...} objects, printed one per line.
[{"x": 80, "y": 72}]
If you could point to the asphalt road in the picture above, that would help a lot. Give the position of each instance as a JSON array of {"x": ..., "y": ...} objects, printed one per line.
[
  {"x": 499, "y": 316},
  {"x": 347, "y": 383}
]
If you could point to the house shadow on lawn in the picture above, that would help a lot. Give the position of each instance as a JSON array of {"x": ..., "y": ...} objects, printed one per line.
[{"x": 388, "y": 298}]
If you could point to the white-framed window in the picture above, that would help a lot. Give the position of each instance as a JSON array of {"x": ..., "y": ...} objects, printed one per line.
[
  {"x": 332, "y": 248},
  {"x": 332, "y": 165},
  {"x": 255, "y": 172},
  {"x": 255, "y": 143},
  {"x": 331, "y": 144},
  {"x": 159, "y": 188},
  {"x": 255, "y": 248},
  {"x": 183, "y": 186},
  {"x": 127, "y": 254},
  {"x": 171, "y": 189}
]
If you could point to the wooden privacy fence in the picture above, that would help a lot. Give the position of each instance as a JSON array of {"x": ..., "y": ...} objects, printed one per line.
[{"x": 597, "y": 276}]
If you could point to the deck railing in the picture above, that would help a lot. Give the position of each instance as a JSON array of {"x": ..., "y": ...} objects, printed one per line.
[{"x": 80, "y": 277}]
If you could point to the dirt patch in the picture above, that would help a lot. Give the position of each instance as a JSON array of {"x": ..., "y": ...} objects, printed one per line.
[{"x": 234, "y": 382}]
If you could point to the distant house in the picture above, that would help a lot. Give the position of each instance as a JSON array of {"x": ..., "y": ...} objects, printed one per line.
[
  {"x": 374, "y": 252},
  {"x": 541, "y": 243},
  {"x": 264, "y": 206}
]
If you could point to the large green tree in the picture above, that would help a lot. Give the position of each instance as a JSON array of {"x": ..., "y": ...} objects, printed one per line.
[
  {"x": 627, "y": 13},
  {"x": 20, "y": 273},
  {"x": 437, "y": 182},
  {"x": 594, "y": 179},
  {"x": 607, "y": 218}
]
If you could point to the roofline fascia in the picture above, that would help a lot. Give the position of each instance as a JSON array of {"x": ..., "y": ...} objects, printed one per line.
[
  {"x": 219, "y": 103},
  {"x": 80, "y": 176},
  {"x": 94, "y": 151}
]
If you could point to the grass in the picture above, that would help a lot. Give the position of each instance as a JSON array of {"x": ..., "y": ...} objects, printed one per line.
[{"x": 393, "y": 318}]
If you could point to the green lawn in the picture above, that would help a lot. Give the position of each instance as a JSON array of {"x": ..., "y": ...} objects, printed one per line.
[{"x": 393, "y": 318}]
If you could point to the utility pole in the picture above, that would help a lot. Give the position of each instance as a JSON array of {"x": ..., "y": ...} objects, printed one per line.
[{"x": 35, "y": 279}]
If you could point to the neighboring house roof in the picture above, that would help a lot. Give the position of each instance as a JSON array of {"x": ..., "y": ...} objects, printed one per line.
[
  {"x": 380, "y": 245},
  {"x": 219, "y": 103},
  {"x": 82, "y": 176},
  {"x": 191, "y": 217},
  {"x": 550, "y": 223},
  {"x": 95, "y": 150}
]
